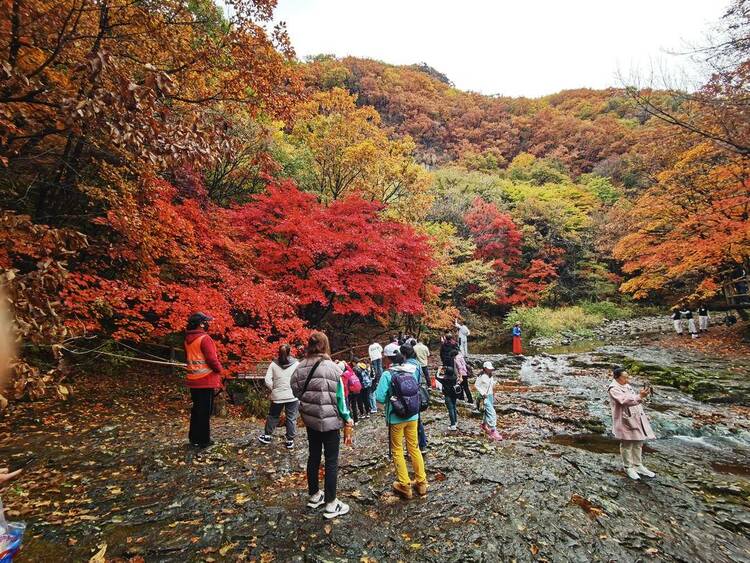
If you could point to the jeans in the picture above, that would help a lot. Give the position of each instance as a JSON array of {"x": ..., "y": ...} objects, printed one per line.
[
  {"x": 353, "y": 402},
  {"x": 490, "y": 416},
  {"x": 421, "y": 433},
  {"x": 398, "y": 432},
  {"x": 377, "y": 369},
  {"x": 631, "y": 451},
  {"x": 450, "y": 402},
  {"x": 373, "y": 405},
  {"x": 328, "y": 442},
  {"x": 463, "y": 345},
  {"x": 274, "y": 414},
  {"x": 200, "y": 416}
]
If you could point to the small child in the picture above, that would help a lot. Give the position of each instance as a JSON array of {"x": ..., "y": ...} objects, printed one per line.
[{"x": 485, "y": 386}]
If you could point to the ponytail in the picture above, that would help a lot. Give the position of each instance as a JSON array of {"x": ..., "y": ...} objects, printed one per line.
[{"x": 284, "y": 351}]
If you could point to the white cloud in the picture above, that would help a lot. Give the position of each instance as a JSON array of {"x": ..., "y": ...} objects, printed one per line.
[{"x": 520, "y": 47}]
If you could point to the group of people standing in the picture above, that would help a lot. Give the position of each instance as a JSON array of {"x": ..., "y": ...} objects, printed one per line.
[
  {"x": 680, "y": 316},
  {"x": 331, "y": 396}
]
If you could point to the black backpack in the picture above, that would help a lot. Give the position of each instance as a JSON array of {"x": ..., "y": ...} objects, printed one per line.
[{"x": 405, "y": 399}]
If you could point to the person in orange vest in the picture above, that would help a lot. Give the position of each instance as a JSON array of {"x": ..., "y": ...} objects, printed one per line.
[{"x": 203, "y": 377}]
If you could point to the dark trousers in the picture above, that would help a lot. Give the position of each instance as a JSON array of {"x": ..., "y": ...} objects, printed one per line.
[
  {"x": 364, "y": 401},
  {"x": 328, "y": 442},
  {"x": 200, "y": 416},
  {"x": 465, "y": 391},
  {"x": 427, "y": 380},
  {"x": 353, "y": 402},
  {"x": 421, "y": 434},
  {"x": 274, "y": 415}
]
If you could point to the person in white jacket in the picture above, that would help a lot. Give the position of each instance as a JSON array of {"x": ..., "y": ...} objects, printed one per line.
[
  {"x": 485, "y": 386},
  {"x": 277, "y": 379},
  {"x": 463, "y": 337}
]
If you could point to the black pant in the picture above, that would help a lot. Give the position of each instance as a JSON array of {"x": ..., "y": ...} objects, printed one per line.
[
  {"x": 353, "y": 402},
  {"x": 364, "y": 401},
  {"x": 427, "y": 380},
  {"x": 200, "y": 416},
  {"x": 465, "y": 392},
  {"x": 330, "y": 442}
]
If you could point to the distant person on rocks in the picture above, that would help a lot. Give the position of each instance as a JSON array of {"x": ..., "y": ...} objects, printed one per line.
[
  {"x": 516, "y": 332},
  {"x": 423, "y": 356},
  {"x": 448, "y": 379},
  {"x": 677, "y": 320},
  {"x": 318, "y": 385},
  {"x": 463, "y": 337},
  {"x": 203, "y": 378},
  {"x": 375, "y": 351},
  {"x": 399, "y": 384},
  {"x": 688, "y": 314},
  {"x": 410, "y": 357},
  {"x": 485, "y": 387},
  {"x": 629, "y": 422},
  {"x": 278, "y": 380},
  {"x": 703, "y": 318}
]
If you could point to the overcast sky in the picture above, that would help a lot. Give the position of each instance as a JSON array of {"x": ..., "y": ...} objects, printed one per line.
[{"x": 510, "y": 47}]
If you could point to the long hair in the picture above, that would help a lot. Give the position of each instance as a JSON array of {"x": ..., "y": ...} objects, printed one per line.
[
  {"x": 318, "y": 344},
  {"x": 284, "y": 351}
]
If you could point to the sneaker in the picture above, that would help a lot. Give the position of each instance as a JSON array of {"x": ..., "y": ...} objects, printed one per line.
[
  {"x": 290, "y": 444},
  {"x": 495, "y": 435},
  {"x": 453, "y": 427},
  {"x": 645, "y": 472},
  {"x": 421, "y": 488},
  {"x": 336, "y": 508},
  {"x": 632, "y": 473},
  {"x": 404, "y": 491},
  {"x": 374, "y": 411},
  {"x": 264, "y": 439},
  {"x": 316, "y": 500}
]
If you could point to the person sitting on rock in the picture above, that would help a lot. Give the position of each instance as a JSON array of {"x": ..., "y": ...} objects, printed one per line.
[{"x": 629, "y": 422}]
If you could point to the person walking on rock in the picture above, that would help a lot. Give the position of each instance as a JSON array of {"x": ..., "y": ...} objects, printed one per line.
[
  {"x": 375, "y": 351},
  {"x": 485, "y": 387},
  {"x": 517, "y": 338},
  {"x": 463, "y": 337},
  {"x": 398, "y": 390},
  {"x": 278, "y": 377},
  {"x": 423, "y": 356},
  {"x": 703, "y": 318},
  {"x": 363, "y": 374},
  {"x": 692, "y": 329},
  {"x": 203, "y": 378},
  {"x": 318, "y": 386},
  {"x": 677, "y": 320},
  {"x": 410, "y": 357},
  {"x": 462, "y": 374},
  {"x": 630, "y": 423}
]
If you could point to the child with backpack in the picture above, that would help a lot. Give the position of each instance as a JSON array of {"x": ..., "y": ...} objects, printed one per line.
[
  {"x": 398, "y": 390},
  {"x": 352, "y": 387}
]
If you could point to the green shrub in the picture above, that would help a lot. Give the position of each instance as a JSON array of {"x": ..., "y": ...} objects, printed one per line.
[
  {"x": 542, "y": 321},
  {"x": 608, "y": 310}
]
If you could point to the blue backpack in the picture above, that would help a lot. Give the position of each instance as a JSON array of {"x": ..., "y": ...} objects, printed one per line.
[{"x": 405, "y": 393}]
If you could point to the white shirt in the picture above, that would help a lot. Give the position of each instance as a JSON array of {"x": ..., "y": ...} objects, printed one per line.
[
  {"x": 390, "y": 348},
  {"x": 463, "y": 331},
  {"x": 376, "y": 351},
  {"x": 485, "y": 384}
]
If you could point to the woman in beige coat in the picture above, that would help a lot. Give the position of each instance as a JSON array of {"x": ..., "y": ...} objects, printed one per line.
[{"x": 629, "y": 422}]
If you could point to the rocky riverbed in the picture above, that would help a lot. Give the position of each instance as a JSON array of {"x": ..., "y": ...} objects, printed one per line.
[{"x": 112, "y": 468}]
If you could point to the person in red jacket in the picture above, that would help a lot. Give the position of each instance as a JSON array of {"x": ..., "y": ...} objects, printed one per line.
[{"x": 203, "y": 377}]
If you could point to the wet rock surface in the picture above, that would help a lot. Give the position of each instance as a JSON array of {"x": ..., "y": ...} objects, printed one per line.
[{"x": 113, "y": 467}]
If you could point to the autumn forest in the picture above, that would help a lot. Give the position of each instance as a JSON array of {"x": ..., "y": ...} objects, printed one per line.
[{"x": 165, "y": 157}]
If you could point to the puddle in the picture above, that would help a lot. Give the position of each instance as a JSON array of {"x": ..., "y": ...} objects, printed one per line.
[{"x": 595, "y": 443}]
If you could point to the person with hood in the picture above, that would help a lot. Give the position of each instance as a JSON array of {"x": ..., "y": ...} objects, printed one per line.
[
  {"x": 703, "y": 318},
  {"x": 677, "y": 320},
  {"x": 629, "y": 422},
  {"x": 400, "y": 429},
  {"x": 485, "y": 387},
  {"x": 203, "y": 378},
  {"x": 278, "y": 377},
  {"x": 517, "y": 338},
  {"x": 317, "y": 384},
  {"x": 463, "y": 337}
]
